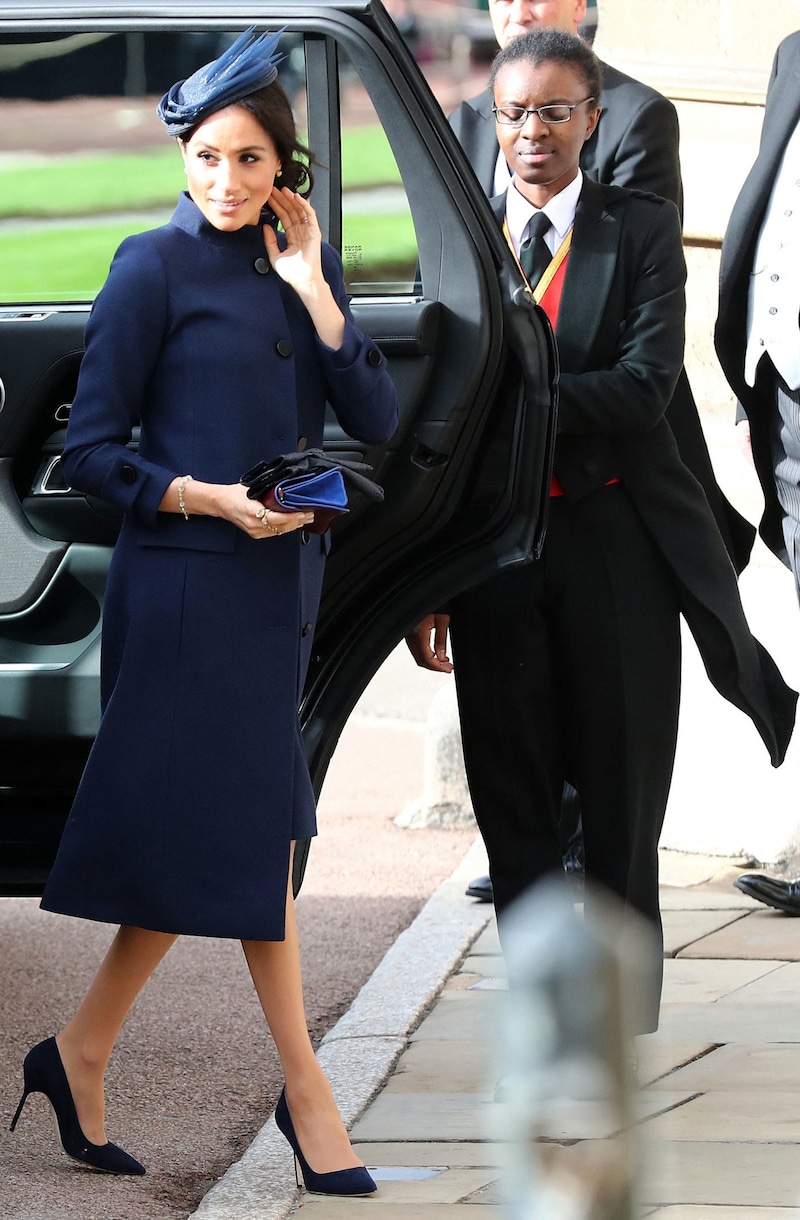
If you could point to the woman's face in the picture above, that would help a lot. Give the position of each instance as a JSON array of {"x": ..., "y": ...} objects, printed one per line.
[
  {"x": 231, "y": 164},
  {"x": 544, "y": 156}
]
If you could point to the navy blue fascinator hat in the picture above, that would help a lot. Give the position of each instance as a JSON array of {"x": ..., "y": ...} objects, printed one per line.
[{"x": 250, "y": 63}]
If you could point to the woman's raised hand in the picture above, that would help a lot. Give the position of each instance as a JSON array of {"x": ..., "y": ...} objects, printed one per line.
[{"x": 300, "y": 264}]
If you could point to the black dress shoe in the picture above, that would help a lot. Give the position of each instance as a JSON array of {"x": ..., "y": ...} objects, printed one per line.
[
  {"x": 774, "y": 891},
  {"x": 43, "y": 1072},
  {"x": 481, "y": 888}
]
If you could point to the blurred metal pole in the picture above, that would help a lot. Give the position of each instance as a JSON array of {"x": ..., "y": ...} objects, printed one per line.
[{"x": 566, "y": 1114}]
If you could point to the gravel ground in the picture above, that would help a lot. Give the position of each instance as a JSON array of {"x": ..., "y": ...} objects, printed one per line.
[{"x": 195, "y": 1074}]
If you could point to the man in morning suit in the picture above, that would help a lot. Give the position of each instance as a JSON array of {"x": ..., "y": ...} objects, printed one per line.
[
  {"x": 758, "y": 339},
  {"x": 569, "y": 666},
  {"x": 635, "y": 144}
]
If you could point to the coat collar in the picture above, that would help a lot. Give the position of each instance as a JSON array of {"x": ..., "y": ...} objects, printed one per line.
[
  {"x": 590, "y": 271},
  {"x": 248, "y": 240}
]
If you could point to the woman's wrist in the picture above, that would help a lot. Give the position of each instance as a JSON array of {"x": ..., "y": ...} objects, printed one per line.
[
  {"x": 190, "y": 497},
  {"x": 326, "y": 316}
]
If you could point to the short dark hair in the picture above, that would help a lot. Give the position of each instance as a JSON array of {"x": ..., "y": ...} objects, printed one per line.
[
  {"x": 272, "y": 110},
  {"x": 552, "y": 46}
]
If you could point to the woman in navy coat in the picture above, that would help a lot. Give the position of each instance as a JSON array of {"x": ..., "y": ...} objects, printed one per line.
[{"x": 224, "y": 340}]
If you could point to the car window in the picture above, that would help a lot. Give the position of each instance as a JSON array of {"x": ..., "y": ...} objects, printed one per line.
[
  {"x": 84, "y": 161},
  {"x": 379, "y": 243}
]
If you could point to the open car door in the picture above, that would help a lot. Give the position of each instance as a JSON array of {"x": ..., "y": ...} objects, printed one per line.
[{"x": 465, "y": 476}]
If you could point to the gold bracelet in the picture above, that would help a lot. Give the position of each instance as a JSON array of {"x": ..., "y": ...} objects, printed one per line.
[{"x": 181, "y": 490}]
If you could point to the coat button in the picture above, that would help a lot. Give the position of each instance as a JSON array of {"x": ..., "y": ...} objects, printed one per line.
[
  {"x": 128, "y": 474},
  {"x": 283, "y": 347},
  {"x": 306, "y": 629},
  {"x": 373, "y": 357},
  {"x": 305, "y": 537},
  {"x": 302, "y": 441},
  {"x": 261, "y": 265}
]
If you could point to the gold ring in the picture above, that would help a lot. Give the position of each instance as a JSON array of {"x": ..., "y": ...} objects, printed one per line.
[{"x": 265, "y": 521}]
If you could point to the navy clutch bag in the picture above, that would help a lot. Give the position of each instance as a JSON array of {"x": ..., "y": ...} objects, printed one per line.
[
  {"x": 324, "y": 494},
  {"x": 308, "y": 481}
]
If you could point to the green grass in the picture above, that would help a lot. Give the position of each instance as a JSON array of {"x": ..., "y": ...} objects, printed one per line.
[
  {"x": 111, "y": 182},
  {"x": 88, "y": 185},
  {"x": 70, "y": 262},
  {"x": 59, "y": 264},
  {"x": 367, "y": 158}
]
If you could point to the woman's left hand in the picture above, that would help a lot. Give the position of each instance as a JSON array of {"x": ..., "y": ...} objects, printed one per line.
[{"x": 300, "y": 264}]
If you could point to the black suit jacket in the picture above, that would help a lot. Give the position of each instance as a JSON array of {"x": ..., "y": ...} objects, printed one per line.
[
  {"x": 738, "y": 249},
  {"x": 635, "y": 144},
  {"x": 620, "y": 342}
]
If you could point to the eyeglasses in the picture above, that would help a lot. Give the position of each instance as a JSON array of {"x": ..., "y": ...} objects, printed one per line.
[{"x": 516, "y": 116}]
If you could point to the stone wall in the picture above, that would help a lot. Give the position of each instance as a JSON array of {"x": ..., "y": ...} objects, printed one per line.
[{"x": 696, "y": 48}]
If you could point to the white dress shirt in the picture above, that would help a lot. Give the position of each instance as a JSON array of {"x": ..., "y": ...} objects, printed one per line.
[
  {"x": 560, "y": 211},
  {"x": 502, "y": 174},
  {"x": 773, "y": 302}
]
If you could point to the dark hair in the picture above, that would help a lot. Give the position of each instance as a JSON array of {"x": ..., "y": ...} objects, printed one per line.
[
  {"x": 272, "y": 110},
  {"x": 552, "y": 46}
]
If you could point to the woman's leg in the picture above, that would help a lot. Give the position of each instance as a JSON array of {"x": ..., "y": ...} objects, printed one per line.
[
  {"x": 85, "y": 1044},
  {"x": 275, "y": 969}
]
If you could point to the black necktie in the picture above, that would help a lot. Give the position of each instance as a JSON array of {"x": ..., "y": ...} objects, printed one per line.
[{"x": 534, "y": 255}]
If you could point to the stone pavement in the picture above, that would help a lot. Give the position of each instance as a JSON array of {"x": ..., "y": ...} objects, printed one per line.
[{"x": 721, "y": 1078}]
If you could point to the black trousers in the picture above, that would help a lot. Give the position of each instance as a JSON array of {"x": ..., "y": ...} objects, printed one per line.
[{"x": 569, "y": 670}]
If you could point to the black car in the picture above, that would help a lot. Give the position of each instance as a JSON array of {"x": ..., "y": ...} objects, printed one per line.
[{"x": 83, "y": 162}]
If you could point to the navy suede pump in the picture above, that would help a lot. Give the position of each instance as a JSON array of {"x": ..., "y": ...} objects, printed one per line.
[
  {"x": 43, "y": 1072},
  {"x": 355, "y": 1181}
]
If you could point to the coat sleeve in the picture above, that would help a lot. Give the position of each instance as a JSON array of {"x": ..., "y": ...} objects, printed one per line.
[
  {"x": 630, "y": 391},
  {"x": 124, "y": 336},
  {"x": 360, "y": 389}
]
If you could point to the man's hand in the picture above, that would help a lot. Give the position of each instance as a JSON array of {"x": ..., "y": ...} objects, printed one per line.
[
  {"x": 427, "y": 643},
  {"x": 743, "y": 439}
]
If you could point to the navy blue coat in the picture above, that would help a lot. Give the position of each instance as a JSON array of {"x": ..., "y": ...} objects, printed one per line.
[{"x": 197, "y": 781}]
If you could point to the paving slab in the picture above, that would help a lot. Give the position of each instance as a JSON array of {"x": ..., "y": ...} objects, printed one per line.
[
  {"x": 658, "y": 1058},
  {"x": 322, "y": 1208},
  {"x": 706, "y": 1174},
  {"x": 764, "y": 935},
  {"x": 724, "y": 1213},
  {"x": 767, "y": 1068},
  {"x": 446, "y": 1186},
  {"x": 488, "y": 943},
  {"x": 490, "y": 965},
  {"x": 692, "y": 981},
  {"x": 436, "y": 1067},
  {"x": 678, "y": 898},
  {"x": 741, "y": 1116},
  {"x": 426, "y": 1116},
  {"x": 462, "y": 980},
  {"x": 461, "y": 1015},
  {"x": 491, "y": 984},
  {"x": 683, "y": 928},
  {"x": 719, "y": 1023},
  {"x": 429, "y": 1153},
  {"x": 781, "y": 983}
]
